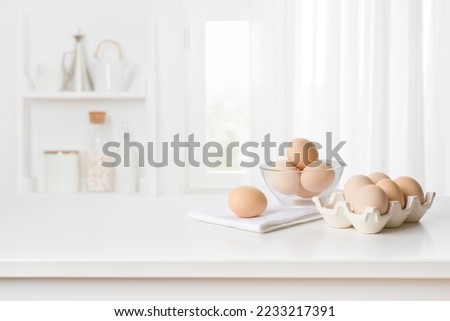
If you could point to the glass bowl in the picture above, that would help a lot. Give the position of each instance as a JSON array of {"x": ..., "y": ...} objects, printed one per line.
[{"x": 286, "y": 183}]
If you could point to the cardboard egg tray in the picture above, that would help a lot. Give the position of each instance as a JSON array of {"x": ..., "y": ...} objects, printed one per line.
[{"x": 337, "y": 213}]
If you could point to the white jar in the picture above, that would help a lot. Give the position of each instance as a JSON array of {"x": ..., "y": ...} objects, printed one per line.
[{"x": 62, "y": 173}]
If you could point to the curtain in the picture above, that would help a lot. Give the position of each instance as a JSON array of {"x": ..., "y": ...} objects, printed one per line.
[
  {"x": 372, "y": 72},
  {"x": 437, "y": 95}
]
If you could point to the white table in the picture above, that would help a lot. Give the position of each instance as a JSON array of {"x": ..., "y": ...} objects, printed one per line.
[{"x": 104, "y": 247}]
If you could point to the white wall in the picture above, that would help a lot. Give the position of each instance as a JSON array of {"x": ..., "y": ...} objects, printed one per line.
[
  {"x": 7, "y": 99},
  {"x": 170, "y": 83}
]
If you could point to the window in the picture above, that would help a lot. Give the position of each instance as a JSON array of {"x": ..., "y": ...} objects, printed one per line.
[
  {"x": 218, "y": 87},
  {"x": 227, "y": 83}
]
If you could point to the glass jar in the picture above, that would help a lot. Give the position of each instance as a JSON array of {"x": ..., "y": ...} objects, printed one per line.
[
  {"x": 61, "y": 169},
  {"x": 98, "y": 177}
]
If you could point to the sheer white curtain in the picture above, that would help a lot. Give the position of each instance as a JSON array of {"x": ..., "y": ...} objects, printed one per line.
[
  {"x": 372, "y": 72},
  {"x": 437, "y": 95},
  {"x": 269, "y": 47}
]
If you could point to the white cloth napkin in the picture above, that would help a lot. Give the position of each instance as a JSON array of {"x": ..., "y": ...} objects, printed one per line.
[{"x": 274, "y": 218}]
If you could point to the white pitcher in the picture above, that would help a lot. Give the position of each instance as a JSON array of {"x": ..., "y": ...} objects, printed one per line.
[
  {"x": 48, "y": 78},
  {"x": 110, "y": 72}
]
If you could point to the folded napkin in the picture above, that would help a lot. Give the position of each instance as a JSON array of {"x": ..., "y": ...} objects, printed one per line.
[{"x": 274, "y": 218}]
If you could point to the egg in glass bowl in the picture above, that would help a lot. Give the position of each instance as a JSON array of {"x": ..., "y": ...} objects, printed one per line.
[{"x": 296, "y": 187}]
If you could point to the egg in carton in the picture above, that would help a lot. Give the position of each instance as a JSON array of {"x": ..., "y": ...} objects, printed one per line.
[{"x": 338, "y": 214}]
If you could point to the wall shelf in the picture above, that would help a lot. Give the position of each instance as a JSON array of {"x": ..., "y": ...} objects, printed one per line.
[
  {"x": 83, "y": 195},
  {"x": 81, "y": 96},
  {"x": 51, "y": 126}
]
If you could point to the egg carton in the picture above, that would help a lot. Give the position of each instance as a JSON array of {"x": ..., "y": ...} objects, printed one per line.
[{"x": 337, "y": 213}]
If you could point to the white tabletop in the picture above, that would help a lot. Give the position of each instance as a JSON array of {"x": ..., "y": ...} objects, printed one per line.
[{"x": 104, "y": 236}]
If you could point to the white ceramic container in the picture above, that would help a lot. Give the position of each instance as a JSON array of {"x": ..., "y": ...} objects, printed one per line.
[
  {"x": 62, "y": 173},
  {"x": 337, "y": 213}
]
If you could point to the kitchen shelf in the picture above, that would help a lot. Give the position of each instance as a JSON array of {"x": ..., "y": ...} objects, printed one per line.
[
  {"x": 79, "y": 96},
  {"x": 36, "y": 127},
  {"x": 83, "y": 195}
]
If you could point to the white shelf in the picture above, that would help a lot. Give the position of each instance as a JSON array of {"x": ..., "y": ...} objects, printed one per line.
[
  {"x": 35, "y": 126},
  {"x": 91, "y": 95},
  {"x": 82, "y": 195}
]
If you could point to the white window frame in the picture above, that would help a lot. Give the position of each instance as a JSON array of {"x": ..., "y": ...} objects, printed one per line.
[{"x": 198, "y": 13}]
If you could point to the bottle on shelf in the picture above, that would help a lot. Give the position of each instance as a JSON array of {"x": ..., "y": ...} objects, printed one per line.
[
  {"x": 77, "y": 75},
  {"x": 98, "y": 178}
]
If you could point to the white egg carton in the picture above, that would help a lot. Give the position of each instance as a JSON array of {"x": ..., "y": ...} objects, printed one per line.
[{"x": 337, "y": 213}]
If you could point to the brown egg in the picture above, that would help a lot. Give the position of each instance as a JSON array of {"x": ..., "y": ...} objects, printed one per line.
[
  {"x": 247, "y": 201},
  {"x": 302, "y": 152},
  {"x": 392, "y": 190},
  {"x": 353, "y": 185},
  {"x": 302, "y": 192},
  {"x": 410, "y": 187},
  {"x": 284, "y": 178},
  {"x": 377, "y": 176},
  {"x": 371, "y": 196},
  {"x": 317, "y": 176}
]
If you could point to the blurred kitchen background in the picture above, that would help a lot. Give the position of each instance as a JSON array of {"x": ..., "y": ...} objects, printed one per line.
[{"x": 375, "y": 73}]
